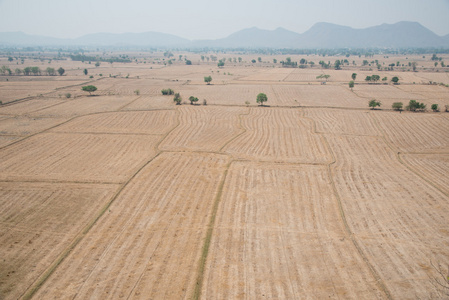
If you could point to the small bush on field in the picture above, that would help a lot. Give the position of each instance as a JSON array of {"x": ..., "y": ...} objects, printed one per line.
[
  {"x": 167, "y": 92},
  {"x": 68, "y": 95}
]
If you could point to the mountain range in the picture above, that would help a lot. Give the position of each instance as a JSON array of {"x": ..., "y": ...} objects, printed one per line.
[{"x": 321, "y": 35}]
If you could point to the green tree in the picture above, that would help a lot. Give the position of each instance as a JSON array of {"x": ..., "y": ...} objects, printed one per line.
[
  {"x": 261, "y": 98},
  {"x": 193, "y": 99},
  {"x": 221, "y": 63},
  {"x": 337, "y": 65},
  {"x": 375, "y": 78},
  {"x": 36, "y": 70},
  {"x": 18, "y": 71},
  {"x": 368, "y": 78},
  {"x": 10, "y": 59},
  {"x": 188, "y": 62},
  {"x": 395, "y": 79},
  {"x": 167, "y": 92},
  {"x": 351, "y": 84},
  {"x": 259, "y": 59},
  {"x": 253, "y": 61},
  {"x": 61, "y": 71},
  {"x": 89, "y": 88},
  {"x": 414, "y": 105},
  {"x": 97, "y": 64},
  {"x": 51, "y": 71},
  {"x": 27, "y": 71},
  {"x": 434, "y": 107},
  {"x": 397, "y": 106},
  {"x": 354, "y": 76},
  {"x": 207, "y": 79},
  {"x": 85, "y": 72},
  {"x": 275, "y": 60},
  {"x": 177, "y": 99},
  {"x": 385, "y": 78},
  {"x": 374, "y": 103}
]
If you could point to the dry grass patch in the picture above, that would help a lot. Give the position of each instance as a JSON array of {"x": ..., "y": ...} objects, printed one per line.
[
  {"x": 338, "y": 121},
  {"x": 399, "y": 220},
  {"x": 204, "y": 128},
  {"x": 149, "y": 243},
  {"x": 76, "y": 157},
  {"x": 38, "y": 222},
  {"x": 145, "y": 122},
  {"x": 279, "y": 235},
  {"x": 22, "y": 125}
]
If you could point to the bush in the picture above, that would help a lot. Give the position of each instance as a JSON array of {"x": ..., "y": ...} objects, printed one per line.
[
  {"x": 167, "y": 92},
  {"x": 68, "y": 95},
  {"x": 177, "y": 99},
  {"x": 373, "y": 103},
  {"x": 434, "y": 107},
  {"x": 414, "y": 105},
  {"x": 89, "y": 88},
  {"x": 397, "y": 106}
]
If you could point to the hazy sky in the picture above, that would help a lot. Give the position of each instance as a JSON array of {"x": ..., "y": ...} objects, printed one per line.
[{"x": 210, "y": 19}]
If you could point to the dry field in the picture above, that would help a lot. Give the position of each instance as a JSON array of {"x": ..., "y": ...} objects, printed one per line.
[{"x": 126, "y": 195}]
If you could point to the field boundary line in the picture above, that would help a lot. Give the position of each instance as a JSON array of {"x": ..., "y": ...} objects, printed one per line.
[
  {"x": 239, "y": 134},
  {"x": 207, "y": 240},
  {"x": 129, "y": 103},
  {"x": 47, "y": 273},
  {"x": 380, "y": 283}
]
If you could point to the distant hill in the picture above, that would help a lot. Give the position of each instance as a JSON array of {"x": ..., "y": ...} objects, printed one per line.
[{"x": 321, "y": 35}]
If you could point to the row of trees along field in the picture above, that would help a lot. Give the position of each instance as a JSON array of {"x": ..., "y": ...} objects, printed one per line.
[
  {"x": 413, "y": 105},
  {"x": 28, "y": 71}
]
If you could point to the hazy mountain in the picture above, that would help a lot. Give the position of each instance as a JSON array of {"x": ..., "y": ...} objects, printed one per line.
[
  {"x": 320, "y": 35},
  {"x": 254, "y": 38}
]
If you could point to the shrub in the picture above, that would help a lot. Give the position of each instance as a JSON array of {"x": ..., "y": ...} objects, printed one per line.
[
  {"x": 167, "y": 92},
  {"x": 397, "y": 106},
  {"x": 68, "y": 95},
  {"x": 434, "y": 107},
  {"x": 177, "y": 99}
]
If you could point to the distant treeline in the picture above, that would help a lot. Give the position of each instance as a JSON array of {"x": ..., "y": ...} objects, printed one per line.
[{"x": 83, "y": 58}]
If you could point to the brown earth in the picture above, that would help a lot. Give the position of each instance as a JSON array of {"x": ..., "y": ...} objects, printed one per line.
[{"x": 126, "y": 195}]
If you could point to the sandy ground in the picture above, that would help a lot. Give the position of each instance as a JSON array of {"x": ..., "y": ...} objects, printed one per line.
[{"x": 126, "y": 195}]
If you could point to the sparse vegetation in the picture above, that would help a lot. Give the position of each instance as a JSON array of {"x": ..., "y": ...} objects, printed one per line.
[
  {"x": 261, "y": 98},
  {"x": 374, "y": 103},
  {"x": 207, "y": 79},
  {"x": 177, "y": 99},
  {"x": 193, "y": 100},
  {"x": 89, "y": 88},
  {"x": 167, "y": 92},
  {"x": 414, "y": 105},
  {"x": 397, "y": 106}
]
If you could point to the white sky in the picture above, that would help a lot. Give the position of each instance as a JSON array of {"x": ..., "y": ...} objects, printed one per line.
[{"x": 211, "y": 19}]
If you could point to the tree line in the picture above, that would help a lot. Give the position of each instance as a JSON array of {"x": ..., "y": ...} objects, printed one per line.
[{"x": 28, "y": 71}]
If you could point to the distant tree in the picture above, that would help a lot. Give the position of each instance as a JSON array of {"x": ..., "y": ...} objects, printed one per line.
[
  {"x": 261, "y": 98},
  {"x": 204, "y": 102},
  {"x": 397, "y": 106},
  {"x": 221, "y": 64},
  {"x": 240, "y": 59},
  {"x": 202, "y": 57},
  {"x": 337, "y": 65},
  {"x": 395, "y": 79},
  {"x": 442, "y": 64},
  {"x": 434, "y": 107},
  {"x": 374, "y": 103},
  {"x": 10, "y": 59},
  {"x": 36, "y": 70},
  {"x": 414, "y": 66},
  {"x": 259, "y": 59},
  {"x": 351, "y": 84},
  {"x": 375, "y": 78},
  {"x": 435, "y": 64},
  {"x": 414, "y": 105},
  {"x": 97, "y": 64},
  {"x": 89, "y": 88},
  {"x": 368, "y": 78},
  {"x": 177, "y": 99},
  {"x": 207, "y": 79},
  {"x": 167, "y": 92},
  {"x": 61, "y": 71},
  {"x": 275, "y": 60},
  {"x": 253, "y": 61},
  {"x": 354, "y": 76},
  {"x": 188, "y": 62},
  {"x": 193, "y": 99},
  {"x": 5, "y": 70},
  {"x": 27, "y": 71},
  {"x": 384, "y": 78},
  {"x": 137, "y": 92},
  {"x": 302, "y": 61},
  {"x": 51, "y": 71},
  {"x": 18, "y": 71},
  {"x": 85, "y": 71}
]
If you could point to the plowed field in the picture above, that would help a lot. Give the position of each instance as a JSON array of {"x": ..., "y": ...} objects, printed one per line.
[{"x": 124, "y": 194}]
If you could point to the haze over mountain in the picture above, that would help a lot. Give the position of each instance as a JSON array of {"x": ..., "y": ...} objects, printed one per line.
[{"x": 321, "y": 35}]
